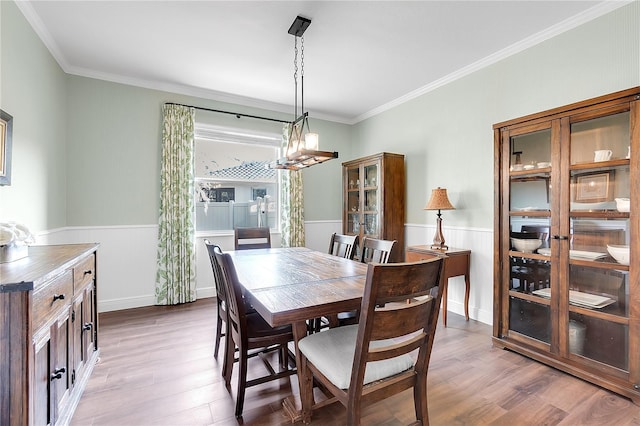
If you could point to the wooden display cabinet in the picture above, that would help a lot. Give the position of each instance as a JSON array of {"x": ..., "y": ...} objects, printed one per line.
[
  {"x": 374, "y": 199},
  {"x": 562, "y": 180}
]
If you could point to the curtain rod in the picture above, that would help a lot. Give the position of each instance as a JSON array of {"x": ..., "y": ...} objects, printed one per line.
[{"x": 237, "y": 114}]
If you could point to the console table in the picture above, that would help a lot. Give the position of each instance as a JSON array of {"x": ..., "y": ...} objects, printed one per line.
[{"x": 457, "y": 262}]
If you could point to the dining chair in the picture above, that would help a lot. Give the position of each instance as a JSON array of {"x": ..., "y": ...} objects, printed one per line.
[
  {"x": 221, "y": 297},
  {"x": 343, "y": 245},
  {"x": 249, "y": 332},
  {"x": 252, "y": 238},
  {"x": 374, "y": 250},
  {"x": 365, "y": 363}
]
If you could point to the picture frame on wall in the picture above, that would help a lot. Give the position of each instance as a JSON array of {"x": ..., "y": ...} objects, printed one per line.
[
  {"x": 6, "y": 134},
  {"x": 594, "y": 187}
]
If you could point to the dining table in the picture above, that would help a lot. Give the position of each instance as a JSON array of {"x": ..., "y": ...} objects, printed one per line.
[{"x": 296, "y": 284}]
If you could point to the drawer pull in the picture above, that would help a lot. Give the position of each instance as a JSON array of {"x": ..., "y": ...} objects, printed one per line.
[
  {"x": 58, "y": 297},
  {"x": 57, "y": 373},
  {"x": 88, "y": 272},
  {"x": 87, "y": 326}
]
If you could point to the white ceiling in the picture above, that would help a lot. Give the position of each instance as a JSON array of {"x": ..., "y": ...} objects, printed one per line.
[{"x": 361, "y": 57}]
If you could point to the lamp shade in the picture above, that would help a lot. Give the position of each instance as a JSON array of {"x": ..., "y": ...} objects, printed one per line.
[{"x": 439, "y": 200}]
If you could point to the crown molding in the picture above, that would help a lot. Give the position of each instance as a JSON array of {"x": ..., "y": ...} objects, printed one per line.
[
  {"x": 588, "y": 15},
  {"x": 561, "y": 27}
]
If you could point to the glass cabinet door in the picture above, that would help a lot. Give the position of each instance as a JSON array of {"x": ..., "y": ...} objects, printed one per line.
[
  {"x": 598, "y": 312},
  {"x": 353, "y": 210},
  {"x": 530, "y": 200},
  {"x": 371, "y": 200}
]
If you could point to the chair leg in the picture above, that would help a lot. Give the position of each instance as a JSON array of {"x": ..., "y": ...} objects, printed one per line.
[
  {"x": 226, "y": 364},
  {"x": 242, "y": 380},
  {"x": 230, "y": 349},
  {"x": 218, "y": 336},
  {"x": 420, "y": 399}
]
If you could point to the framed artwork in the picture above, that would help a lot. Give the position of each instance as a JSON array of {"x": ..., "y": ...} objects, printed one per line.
[
  {"x": 594, "y": 187},
  {"x": 6, "y": 132}
]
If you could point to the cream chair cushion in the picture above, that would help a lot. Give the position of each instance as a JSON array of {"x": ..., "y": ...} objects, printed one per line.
[{"x": 332, "y": 352}]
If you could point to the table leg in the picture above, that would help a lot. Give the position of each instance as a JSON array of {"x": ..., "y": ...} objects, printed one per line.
[
  {"x": 444, "y": 301},
  {"x": 289, "y": 404},
  {"x": 467, "y": 282}
]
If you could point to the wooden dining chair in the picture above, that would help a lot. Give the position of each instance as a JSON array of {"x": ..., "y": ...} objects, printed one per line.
[
  {"x": 221, "y": 300},
  {"x": 362, "y": 364},
  {"x": 374, "y": 250},
  {"x": 249, "y": 332},
  {"x": 252, "y": 238},
  {"x": 343, "y": 245}
]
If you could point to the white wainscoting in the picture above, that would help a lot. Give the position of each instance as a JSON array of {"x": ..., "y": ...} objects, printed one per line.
[{"x": 127, "y": 261}]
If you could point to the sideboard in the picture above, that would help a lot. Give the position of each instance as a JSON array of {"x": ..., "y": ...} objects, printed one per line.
[{"x": 48, "y": 333}]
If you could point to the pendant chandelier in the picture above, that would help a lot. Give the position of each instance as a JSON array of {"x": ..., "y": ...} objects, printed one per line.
[{"x": 302, "y": 149}]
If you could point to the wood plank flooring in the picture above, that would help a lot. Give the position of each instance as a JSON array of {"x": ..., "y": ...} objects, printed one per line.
[{"x": 157, "y": 368}]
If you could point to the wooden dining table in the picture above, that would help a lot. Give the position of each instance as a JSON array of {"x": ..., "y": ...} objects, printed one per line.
[{"x": 293, "y": 285}]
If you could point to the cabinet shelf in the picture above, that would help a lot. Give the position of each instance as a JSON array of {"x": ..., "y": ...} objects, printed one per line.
[{"x": 600, "y": 165}]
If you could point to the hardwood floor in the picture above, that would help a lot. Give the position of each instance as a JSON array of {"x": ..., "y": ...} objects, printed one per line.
[{"x": 157, "y": 368}]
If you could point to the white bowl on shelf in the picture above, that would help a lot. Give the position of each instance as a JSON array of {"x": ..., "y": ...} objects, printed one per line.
[
  {"x": 623, "y": 204},
  {"x": 619, "y": 252},
  {"x": 526, "y": 245}
]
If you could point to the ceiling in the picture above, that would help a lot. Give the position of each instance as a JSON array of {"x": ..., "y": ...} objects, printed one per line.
[{"x": 361, "y": 57}]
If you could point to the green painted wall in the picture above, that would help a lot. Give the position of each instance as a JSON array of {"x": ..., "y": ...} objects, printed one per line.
[{"x": 33, "y": 90}]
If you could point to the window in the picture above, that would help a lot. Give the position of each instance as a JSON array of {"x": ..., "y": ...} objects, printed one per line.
[{"x": 234, "y": 187}]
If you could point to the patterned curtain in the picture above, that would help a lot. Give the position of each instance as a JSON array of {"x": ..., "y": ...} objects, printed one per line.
[
  {"x": 176, "y": 275},
  {"x": 292, "y": 206}
]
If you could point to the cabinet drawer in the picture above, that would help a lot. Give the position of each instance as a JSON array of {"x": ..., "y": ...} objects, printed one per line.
[
  {"x": 414, "y": 256},
  {"x": 83, "y": 273},
  {"x": 51, "y": 298}
]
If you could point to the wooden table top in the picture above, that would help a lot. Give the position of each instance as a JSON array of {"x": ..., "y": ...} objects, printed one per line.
[{"x": 288, "y": 285}]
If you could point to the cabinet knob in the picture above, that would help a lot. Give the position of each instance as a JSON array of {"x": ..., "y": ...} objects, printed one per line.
[
  {"x": 57, "y": 373},
  {"x": 560, "y": 237},
  {"x": 58, "y": 297},
  {"x": 87, "y": 326}
]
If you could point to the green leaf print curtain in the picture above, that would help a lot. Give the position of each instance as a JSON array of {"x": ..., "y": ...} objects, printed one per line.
[
  {"x": 176, "y": 274},
  {"x": 292, "y": 206}
]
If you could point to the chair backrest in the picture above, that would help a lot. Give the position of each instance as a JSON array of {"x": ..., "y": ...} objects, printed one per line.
[
  {"x": 343, "y": 245},
  {"x": 252, "y": 238},
  {"x": 401, "y": 302},
  {"x": 236, "y": 307},
  {"x": 376, "y": 251},
  {"x": 221, "y": 293}
]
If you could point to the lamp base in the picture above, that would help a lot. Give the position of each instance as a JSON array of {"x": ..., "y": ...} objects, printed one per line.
[{"x": 438, "y": 239}]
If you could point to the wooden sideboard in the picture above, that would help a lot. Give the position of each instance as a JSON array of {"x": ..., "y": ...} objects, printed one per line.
[{"x": 48, "y": 333}]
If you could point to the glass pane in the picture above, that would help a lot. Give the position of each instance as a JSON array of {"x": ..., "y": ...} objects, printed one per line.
[
  {"x": 530, "y": 193},
  {"x": 601, "y": 189},
  {"x": 601, "y": 340},
  {"x": 353, "y": 178},
  {"x": 530, "y": 319},
  {"x": 371, "y": 225},
  {"x": 531, "y": 151},
  {"x": 600, "y": 139},
  {"x": 603, "y": 290},
  {"x": 371, "y": 178},
  {"x": 591, "y": 238}
]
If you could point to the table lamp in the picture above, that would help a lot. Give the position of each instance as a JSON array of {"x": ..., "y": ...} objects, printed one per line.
[{"x": 439, "y": 201}]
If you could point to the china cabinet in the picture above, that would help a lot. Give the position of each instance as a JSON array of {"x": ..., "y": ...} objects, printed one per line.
[
  {"x": 374, "y": 199},
  {"x": 48, "y": 333},
  {"x": 567, "y": 281}
]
